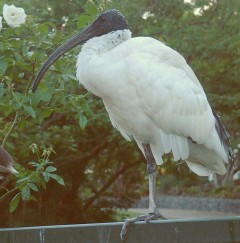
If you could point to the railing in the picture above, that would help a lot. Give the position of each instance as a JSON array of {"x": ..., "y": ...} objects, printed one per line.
[
  {"x": 218, "y": 230},
  {"x": 193, "y": 203}
]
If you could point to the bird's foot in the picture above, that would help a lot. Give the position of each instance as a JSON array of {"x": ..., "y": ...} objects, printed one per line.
[{"x": 146, "y": 217}]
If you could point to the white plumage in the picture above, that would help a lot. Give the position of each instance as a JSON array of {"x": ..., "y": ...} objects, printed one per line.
[{"x": 153, "y": 96}]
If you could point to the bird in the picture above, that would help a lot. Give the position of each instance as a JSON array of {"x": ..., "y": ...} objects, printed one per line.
[{"x": 151, "y": 95}]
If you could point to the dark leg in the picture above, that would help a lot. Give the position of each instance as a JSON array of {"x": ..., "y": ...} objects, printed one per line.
[
  {"x": 153, "y": 211},
  {"x": 151, "y": 164}
]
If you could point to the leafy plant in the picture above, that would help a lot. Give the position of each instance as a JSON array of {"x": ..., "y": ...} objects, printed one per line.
[{"x": 30, "y": 181}]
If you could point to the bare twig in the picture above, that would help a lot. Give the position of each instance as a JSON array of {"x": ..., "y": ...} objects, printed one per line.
[
  {"x": 4, "y": 188},
  {"x": 10, "y": 130},
  {"x": 111, "y": 180}
]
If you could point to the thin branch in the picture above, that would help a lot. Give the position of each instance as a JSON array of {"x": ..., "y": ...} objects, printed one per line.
[
  {"x": 94, "y": 152},
  {"x": 10, "y": 191},
  {"x": 10, "y": 130},
  {"x": 31, "y": 80},
  {"x": 4, "y": 188},
  {"x": 112, "y": 179},
  {"x": 19, "y": 186}
]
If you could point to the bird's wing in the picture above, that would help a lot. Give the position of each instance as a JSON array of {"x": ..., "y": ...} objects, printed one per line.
[
  {"x": 169, "y": 91},
  {"x": 170, "y": 94},
  {"x": 152, "y": 95}
]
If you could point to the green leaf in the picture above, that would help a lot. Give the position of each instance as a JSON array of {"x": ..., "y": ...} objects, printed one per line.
[
  {"x": 50, "y": 169},
  {"x": 73, "y": 77},
  {"x": 30, "y": 111},
  {"x": 25, "y": 192},
  {"x": 2, "y": 89},
  {"x": 38, "y": 55},
  {"x": 43, "y": 29},
  {"x": 16, "y": 105},
  {"x": 14, "y": 202},
  {"x": 2, "y": 45},
  {"x": 25, "y": 48},
  {"x": 45, "y": 96},
  {"x": 92, "y": 9},
  {"x": 43, "y": 183},
  {"x": 58, "y": 178},
  {"x": 82, "y": 121},
  {"x": 36, "y": 98},
  {"x": 46, "y": 176},
  {"x": 33, "y": 186},
  {"x": 83, "y": 20},
  {"x": 18, "y": 57},
  {"x": 21, "y": 75},
  {"x": 46, "y": 113},
  {"x": 22, "y": 179},
  {"x": 3, "y": 66}
]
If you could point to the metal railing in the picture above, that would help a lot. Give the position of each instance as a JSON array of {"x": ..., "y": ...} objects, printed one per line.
[{"x": 210, "y": 230}]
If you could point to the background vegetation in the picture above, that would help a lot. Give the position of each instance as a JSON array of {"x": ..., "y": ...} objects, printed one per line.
[{"x": 101, "y": 171}]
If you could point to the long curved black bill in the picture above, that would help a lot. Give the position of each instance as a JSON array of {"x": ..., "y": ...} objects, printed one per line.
[
  {"x": 110, "y": 20},
  {"x": 77, "y": 39}
]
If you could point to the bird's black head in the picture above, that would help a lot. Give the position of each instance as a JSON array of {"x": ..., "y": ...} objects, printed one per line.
[{"x": 108, "y": 21}]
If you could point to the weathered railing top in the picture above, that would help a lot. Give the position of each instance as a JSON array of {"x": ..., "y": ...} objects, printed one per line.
[{"x": 225, "y": 230}]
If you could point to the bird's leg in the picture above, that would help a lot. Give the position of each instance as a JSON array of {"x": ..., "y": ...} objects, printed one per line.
[
  {"x": 151, "y": 166},
  {"x": 153, "y": 211}
]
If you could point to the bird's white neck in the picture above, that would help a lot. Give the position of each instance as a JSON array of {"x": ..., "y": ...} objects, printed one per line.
[{"x": 107, "y": 42}]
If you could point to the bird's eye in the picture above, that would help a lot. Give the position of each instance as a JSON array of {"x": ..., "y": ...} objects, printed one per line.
[{"x": 102, "y": 18}]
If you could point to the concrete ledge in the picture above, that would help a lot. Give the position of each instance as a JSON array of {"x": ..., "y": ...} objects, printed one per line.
[
  {"x": 193, "y": 203},
  {"x": 167, "y": 231}
]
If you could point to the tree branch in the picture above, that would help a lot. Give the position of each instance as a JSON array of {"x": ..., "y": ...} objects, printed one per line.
[
  {"x": 93, "y": 153},
  {"x": 10, "y": 130},
  {"x": 112, "y": 179}
]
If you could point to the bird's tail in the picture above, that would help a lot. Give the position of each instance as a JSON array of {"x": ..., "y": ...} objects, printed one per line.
[{"x": 224, "y": 138}]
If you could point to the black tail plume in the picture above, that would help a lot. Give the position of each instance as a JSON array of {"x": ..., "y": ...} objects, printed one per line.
[{"x": 224, "y": 137}]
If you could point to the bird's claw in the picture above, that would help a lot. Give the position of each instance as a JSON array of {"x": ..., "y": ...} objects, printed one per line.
[
  {"x": 150, "y": 216},
  {"x": 153, "y": 216},
  {"x": 124, "y": 231}
]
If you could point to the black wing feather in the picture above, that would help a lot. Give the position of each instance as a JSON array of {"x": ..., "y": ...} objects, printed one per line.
[{"x": 224, "y": 137}]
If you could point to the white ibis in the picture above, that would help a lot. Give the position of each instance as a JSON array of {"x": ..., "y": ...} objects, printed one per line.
[{"x": 151, "y": 95}]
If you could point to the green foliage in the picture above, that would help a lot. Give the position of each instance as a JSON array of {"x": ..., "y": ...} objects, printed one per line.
[
  {"x": 30, "y": 181},
  {"x": 24, "y": 49},
  {"x": 60, "y": 115}
]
